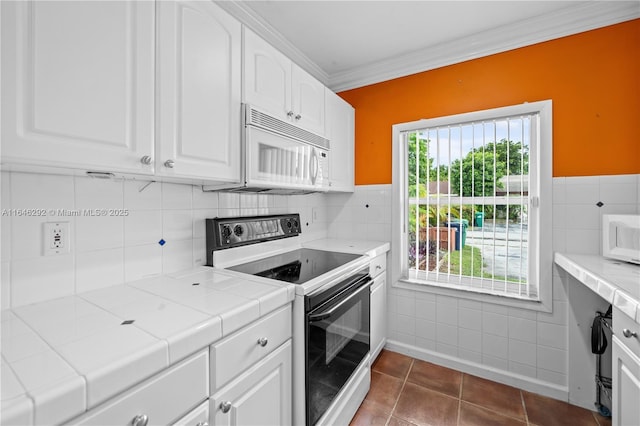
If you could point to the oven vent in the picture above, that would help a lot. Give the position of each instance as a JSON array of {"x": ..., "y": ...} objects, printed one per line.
[{"x": 257, "y": 118}]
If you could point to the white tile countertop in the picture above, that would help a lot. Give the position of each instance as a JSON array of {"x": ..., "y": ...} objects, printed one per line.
[
  {"x": 65, "y": 356},
  {"x": 370, "y": 248},
  {"x": 615, "y": 281}
]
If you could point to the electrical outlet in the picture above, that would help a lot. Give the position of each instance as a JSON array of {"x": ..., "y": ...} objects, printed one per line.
[{"x": 56, "y": 238}]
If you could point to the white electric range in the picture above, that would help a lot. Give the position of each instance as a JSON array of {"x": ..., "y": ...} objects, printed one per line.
[{"x": 331, "y": 329}]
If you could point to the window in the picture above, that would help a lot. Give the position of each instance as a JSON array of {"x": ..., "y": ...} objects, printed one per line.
[{"x": 474, "y": 202}]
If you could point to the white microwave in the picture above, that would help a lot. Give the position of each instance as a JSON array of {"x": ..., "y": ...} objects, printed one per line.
[
  {"x": 279, "y": 157},
  {"x": 621, "y": 237}
]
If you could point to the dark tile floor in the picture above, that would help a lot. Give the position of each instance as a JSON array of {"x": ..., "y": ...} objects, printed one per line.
[{"x": 406, "y": 391}]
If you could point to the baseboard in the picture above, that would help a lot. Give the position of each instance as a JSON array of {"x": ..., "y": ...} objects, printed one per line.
[{"x": 529, "y": 384}]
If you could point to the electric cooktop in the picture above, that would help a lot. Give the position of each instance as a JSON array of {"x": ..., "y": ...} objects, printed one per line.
[{"x": 297, "y": 266}]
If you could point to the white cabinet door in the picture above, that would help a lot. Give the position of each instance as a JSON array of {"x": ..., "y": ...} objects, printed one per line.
[
  {"x": 275, "y": 85},
  {"x": 626, "y": 386},
  {"x": 339, "y": 129},
  {"x": 267, "y": 77},
  {"x": 307, "y": 101},
  {"x": 260, "y": 396},
  {"x": 78, "y": 84},
  {"x": 199, "y": 54},
  {"x": 378, "y": 315}
]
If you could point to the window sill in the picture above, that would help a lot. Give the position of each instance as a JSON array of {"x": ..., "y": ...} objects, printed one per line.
[{"x": 434, "y": 288}]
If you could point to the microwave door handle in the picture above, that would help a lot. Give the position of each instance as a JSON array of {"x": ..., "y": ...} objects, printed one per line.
[
  {"x": 314, "y": 166},
  {"x": 326, "y": 314}
]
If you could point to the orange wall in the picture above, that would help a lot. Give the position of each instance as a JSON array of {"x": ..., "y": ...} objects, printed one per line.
[{"x": 592, "y": 78}]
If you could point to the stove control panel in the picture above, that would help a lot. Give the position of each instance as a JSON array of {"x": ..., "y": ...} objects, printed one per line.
[{"x": 231, "y": 232}]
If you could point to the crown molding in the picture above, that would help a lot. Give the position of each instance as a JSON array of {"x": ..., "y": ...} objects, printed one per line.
[
  {"x": 572, "y": 20},
  {"x": 257, "y": 24}
]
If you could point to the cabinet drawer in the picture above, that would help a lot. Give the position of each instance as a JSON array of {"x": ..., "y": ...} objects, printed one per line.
[
  {"x": 198, "y": 417},
  {"x": 163, "y": 398},
  {"x": 622, "y": 322},
  {"x": 378, "y": 265},
  {"x": 239, "y": 351}
]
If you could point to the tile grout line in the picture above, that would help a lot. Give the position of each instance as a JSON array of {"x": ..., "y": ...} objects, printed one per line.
[
  {"x": 406, "y": 377},
  {"x": 524, "y": 408},
  {"x": 460, "y": 397}
]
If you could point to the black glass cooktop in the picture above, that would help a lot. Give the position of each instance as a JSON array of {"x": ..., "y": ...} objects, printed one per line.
[{"x": 298, "y": 266}]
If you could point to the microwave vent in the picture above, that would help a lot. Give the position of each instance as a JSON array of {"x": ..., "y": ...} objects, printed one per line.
[{"x": 254, "y": 117}]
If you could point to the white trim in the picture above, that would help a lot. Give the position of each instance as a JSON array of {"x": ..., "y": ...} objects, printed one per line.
[
  {"x": 519, "y": 381},
  {"x": 543, "y": 161},
  {"x": 257, "y": 24},
  {"x": 572, "y": 20}
]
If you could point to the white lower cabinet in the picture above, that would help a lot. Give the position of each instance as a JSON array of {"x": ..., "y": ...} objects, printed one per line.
[
  {"x": 160, "y": 400},
  {"x": 244, "y": 379},
  {"x": 259, "y": 396},
  {"x": 626, "y": 370},
  {"x": 378, "y": 308},
  {"x": 199, "y": 416},
  {"x": 626, "y": 386},
  {"x": 378, "y": 315}
]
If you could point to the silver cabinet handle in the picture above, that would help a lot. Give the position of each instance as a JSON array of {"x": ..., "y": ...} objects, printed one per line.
[
  {"x": 290, "y": 114},
  {"x": 378, "y": 267},
  {"x": 140, "y": 420},
  {"x": 202, "y": 424},
  {"x": 225, "y": 406},
  {"x": 628, "y": 333},
  {"x": 146, "y": 160},
  {"x": 263, "y": 341},
  {"x": 298, "y": 117},
  {"x": 169, "y": 164}
]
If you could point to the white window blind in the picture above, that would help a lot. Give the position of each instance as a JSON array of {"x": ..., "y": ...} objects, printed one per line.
[{"x": 468, "y": 216}]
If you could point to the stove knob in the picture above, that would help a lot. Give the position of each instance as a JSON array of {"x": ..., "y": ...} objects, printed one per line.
[
  {"x": 226, "y": 232},
  {"x": 238, "y": 230},
  {"x": 295, "y": 225}
]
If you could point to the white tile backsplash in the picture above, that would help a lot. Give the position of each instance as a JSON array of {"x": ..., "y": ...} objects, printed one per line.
[
  {"x": 42, "y": 278},
  {"x": 99, "y": 269},
  {"x": 108, "y": 250}
]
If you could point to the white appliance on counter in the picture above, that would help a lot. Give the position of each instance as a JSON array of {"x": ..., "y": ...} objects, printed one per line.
[
  {"x": 279, "y": 157},
  {"x": 621, "y": 237},
  {"x": 331, "y": 309}
]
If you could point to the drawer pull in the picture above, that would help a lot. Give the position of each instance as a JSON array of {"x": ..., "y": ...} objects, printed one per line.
[
  {"x": 628, "y": 333},
  {"x": 225, "y": 406},
  {"x": 378, "y": 267},
  {"x": 202, "y": 424},
  {"x": 140, "y": 420},
  {"x": 263, "y": 341}
]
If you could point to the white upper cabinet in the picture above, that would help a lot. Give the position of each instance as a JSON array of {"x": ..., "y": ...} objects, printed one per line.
[
  {"x": 78, "y": 84},
  {"x": 307, "y": 100},
  {"x": 199, "y": 54},
  {"x": 278, "y": 86},
  {"x": 340, "y": 122}
]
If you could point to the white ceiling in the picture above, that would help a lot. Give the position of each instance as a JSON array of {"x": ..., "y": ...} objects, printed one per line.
[{"x": 351, "y": 43}]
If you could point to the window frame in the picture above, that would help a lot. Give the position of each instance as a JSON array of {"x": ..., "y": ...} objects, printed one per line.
[{"x": 540, "y": 196}]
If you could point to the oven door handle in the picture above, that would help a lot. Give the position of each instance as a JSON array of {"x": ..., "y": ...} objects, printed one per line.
[{"x": 327, "y": 314}]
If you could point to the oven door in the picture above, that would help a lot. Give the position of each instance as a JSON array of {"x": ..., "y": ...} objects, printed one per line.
[{"x": 337, "y": 340}]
